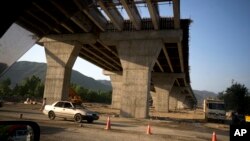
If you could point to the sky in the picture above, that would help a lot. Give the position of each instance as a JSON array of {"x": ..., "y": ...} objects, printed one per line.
[{"x": 219, "y": 44}]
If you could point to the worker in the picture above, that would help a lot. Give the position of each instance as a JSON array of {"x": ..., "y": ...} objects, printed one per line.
[{"x": 43, "y": 104}]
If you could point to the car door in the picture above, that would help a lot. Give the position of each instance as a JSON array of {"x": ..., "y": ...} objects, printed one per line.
[
  {"x": 68, "y": 110},
  {"x": 58, "y": 109}
]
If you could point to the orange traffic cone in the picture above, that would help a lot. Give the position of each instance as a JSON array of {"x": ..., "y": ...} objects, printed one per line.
[
  {"x": 108, "y": 126},
  {"x": 149, "y": 130},
  {"x": 214, "y": 137}
]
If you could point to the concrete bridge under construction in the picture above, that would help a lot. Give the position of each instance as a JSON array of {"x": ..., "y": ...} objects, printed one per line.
[{"x": 144, "y": 57}]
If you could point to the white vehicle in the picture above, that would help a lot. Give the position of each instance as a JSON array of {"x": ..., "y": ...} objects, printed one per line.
[
  {"x": 214, "y": 109},
  {"x": 67, "y": 109}
]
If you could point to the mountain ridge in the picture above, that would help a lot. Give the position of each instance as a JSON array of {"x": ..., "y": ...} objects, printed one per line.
[
  {"x": 23, "y": 69},
  {"x": 203, "y": 94}
]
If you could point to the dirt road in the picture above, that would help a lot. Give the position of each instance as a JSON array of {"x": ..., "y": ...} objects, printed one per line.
[{"x": 179, "y": 125}]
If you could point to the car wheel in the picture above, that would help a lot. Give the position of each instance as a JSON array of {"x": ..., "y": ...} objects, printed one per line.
[
  {"x": 90, "y": 120},
  {"x": 78, "y": 118},
  {"x": 51, "y": 115}
]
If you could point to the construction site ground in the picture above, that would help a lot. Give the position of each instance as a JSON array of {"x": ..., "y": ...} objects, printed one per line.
[{"x": 181, "y": 125}]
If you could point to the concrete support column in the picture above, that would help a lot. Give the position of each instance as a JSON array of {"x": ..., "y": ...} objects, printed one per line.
[
  {"x": 137, "y": 59},
  {"x": 60, "y": 59},
  {"x": 116, "y": 82},
  {"x": 173, "y": 98},
  {"x": 163, "y": 83},
  {"x": 153, "y": 95},
  {"x": 181, "y": 101},
  {"x": 187, "y": 103}
]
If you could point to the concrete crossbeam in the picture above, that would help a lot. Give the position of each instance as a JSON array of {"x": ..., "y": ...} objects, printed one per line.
[
  {"x": 176, "y": 9},
  {"x": 100, "y": 58},
  {"x": 106, "y": 47},
  {"x": 168, "y": 36},
  {"x": 94, "y": 60},
  {"x": 43, "y": 22},
  {"x": 79, "y": 18},
  {"x": 180, "y": 51},
  {"x": 52, "y": 17},
  {"x": 96, "y": 17},
  {"x": 86, "y": 38},
  {"x": 76, "y": 18},
  {"x": 159, "y": 65},
  {"x": 137, "y": 59},
  {"x": 153, "y": 14},
  {"x": 168, "y": 59},
  {"x": 106, "y": 55},
  {"x": 112, "y": 38},
  {"x": 133, "y": 13},
  {"x": 93, "y": 13},
  {"x": 60, "y": 59},
  {"x": 113, "y": 14}
]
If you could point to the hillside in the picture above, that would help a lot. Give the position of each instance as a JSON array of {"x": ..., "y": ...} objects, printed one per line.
[
  {"x": 21, "y": 70},
  {"x": 201, "y": 95}
]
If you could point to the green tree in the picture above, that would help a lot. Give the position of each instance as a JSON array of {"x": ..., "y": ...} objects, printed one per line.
[
  {"x": 31, "y": 87},
  {"x": 235, "y": 97},
  {"x": 221, "y": 95},
  {"x": 92, "y": 96},
  {"x": 5, "y": 89}
]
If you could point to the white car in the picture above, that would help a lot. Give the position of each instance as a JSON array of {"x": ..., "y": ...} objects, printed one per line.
[{"x": 67, "y": 109}]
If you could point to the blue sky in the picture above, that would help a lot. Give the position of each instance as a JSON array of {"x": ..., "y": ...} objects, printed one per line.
[{"x": 219, "y": 44}]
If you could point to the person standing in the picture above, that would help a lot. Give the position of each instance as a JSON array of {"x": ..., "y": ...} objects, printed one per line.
[{"x": 43, "y": 104}]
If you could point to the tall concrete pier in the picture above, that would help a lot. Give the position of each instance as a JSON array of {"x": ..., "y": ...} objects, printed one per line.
[
  {"x": 137, "y": 59},
  {"x": 60, "y": 59},
  {"x": 174, "y": 97},
  {"x": 163, "y": 84},
  {"x": 116, "y": 82}
]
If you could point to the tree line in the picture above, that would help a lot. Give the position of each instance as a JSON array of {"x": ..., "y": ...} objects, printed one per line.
[
  {"x": 236, "y": 98},
  {"x": 29, "y": 88},
  {"x": 92, "y": 96},
  {"x": 33, "y": 88}
]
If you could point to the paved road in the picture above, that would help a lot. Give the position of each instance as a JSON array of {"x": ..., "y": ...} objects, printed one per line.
[{"x": 122, "y": 128}]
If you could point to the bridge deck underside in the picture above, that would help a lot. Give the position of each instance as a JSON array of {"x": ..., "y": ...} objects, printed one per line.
[{"x": 57, "y": 17}]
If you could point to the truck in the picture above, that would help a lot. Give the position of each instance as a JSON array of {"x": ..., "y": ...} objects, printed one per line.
[{"x": 214, "y": 109}]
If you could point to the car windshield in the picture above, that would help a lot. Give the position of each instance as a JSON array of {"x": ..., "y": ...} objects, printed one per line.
[{"x": 78, "y": 106}]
